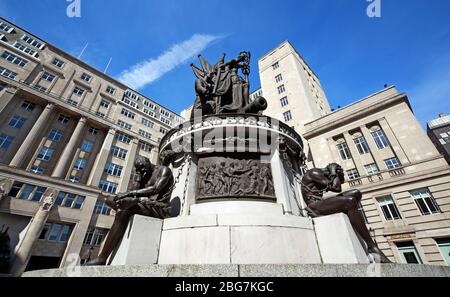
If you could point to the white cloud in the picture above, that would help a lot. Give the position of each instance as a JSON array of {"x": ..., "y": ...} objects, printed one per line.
[{"x": 150, "y": 70}]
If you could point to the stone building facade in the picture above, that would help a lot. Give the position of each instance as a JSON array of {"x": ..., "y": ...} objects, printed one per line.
[
  {"x": 71, "y": 131},
  {"x": 439, "y": 132}
]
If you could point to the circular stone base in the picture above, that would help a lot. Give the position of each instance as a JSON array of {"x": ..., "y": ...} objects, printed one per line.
[{"x": 306, "y": 270}]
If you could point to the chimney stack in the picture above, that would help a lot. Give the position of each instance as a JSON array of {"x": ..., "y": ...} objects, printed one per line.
[{"x": 442, "y": 114}]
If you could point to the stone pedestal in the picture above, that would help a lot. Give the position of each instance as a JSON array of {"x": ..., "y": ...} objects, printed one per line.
[
  {"x": 140, "y": 244},
  {"x": 338, "y": 242}
]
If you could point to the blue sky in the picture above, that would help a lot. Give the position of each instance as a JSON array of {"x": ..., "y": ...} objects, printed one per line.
[{"x": 152, "y": 42}]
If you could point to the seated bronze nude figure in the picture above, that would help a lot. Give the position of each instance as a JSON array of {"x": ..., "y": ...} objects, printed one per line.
[
  {"x": 316, "y": 182},
  {"x": 152, "y": 199}
]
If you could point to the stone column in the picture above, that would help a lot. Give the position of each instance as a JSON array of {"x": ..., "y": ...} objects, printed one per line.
[
  {"x": 68, "y": 150},
  {"x": 396, "y": 147},
  {"x": 333, "y": 150},
  {"x": 7, "y": 96},
  {"x": 32, "y": 136},
  {"x": 373, "y": 148},
  {"x": 35, "y": 228},
  {"x": 101, "y": 159},
  {"x": 124, "y": 181}
]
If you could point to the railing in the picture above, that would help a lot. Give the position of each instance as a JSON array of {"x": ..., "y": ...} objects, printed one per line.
[{"x": 377, "y": 177}]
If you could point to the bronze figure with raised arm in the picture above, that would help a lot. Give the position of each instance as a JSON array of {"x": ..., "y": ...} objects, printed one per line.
[
  {"x": 316, "y": 182},
  {"x": 152, "y": 199}
]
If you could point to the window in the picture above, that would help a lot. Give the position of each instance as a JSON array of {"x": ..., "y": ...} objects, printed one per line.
[
  {"x": 361, "y": 145},
  {"x": 278, "y": 78},
  {"x": 353, "y": 174},
  {"x": 7, "y": 73},
  {"x": 58, "y": 63},
  {"x": 29, "y": 192},
  {"x": 25, "y": 49},
  {"x": 17, "y": 121},
  {"x": 37, "y": 170},
  {"x": 87, "y": 146},
  {"x": 108, "y": 186},
  {"x": 55, "y": 135},
  {"x": 33, "y": 42},
  {"x": 74, "y": 179},
  {"x": 48, "y": 76},
  {"x": 5, "y": 27},
  {"x": 408, "y": 252},
  {"x": 110, "y": 90},
  {"x": 362, "y": 213},
  {"x": 372, "y": 169},
  {"x": 95, "y": 236},
  {"x": 86, "y": 77},
  {"x": 69, "y": 200},
  {"x": 281, "y": 89},
  {"x": 119, "y": 152},
  {"x": 275, "y": 65},
  {"x": 380, "y": 139},
  {"x": 45, "y": 154},
  {"x": 72, "y": 102},
  {"x": 5, "y": 141},
  {"x": 123, "y": 137},
  {"x": 102, "y": 208},
  {"x": 80, "y": 164},
  {"x": 392, "y": 163},
  {"x": 163, "y": 130},
  {"x": 78, "y": 91},
  {"x": 113, "y": 169},
  {"x": 149, "y": 104},
  {"x": 166, "y": 121},
  {"x": 57, "y": 232},
  {"x": 100, "y": 114},
  {"x": 444, "y": 246},
  {"x": 149, "y": 112},
  {"x": 145, "y": 134},
  {"x": 344, "y": 151},
  {"x": 287, "y": 116},
  {"x": 63, "y": 119},
  {"x": 124, "y": 125},
  {"x": 14, "y": 59},
  {"x": 93, "y": 131},
  {"x": 65, "y": 234},
  {"x": 145, "y": 146},
  {"x": 104, "y": 104},
  {"x": 17, "y": 186},
  {"x": 28, "y": 106},
  {"x": 129, "y": 102},
  {"x": 284, "y": 101},
  {"x": 425, "y": 202},
  {"x": 45, "y": 231},
  {"x": 40, "y": 88},
  {"x": 148, "y": 123},
  {"x": 164, "y": 112},
  {"x": 128, "y": 113},
  {"x": 390, "y": 210}
]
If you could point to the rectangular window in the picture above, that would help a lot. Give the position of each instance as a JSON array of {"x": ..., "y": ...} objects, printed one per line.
[
  {"x": 78, "y": 91},
  {"x": 166, "y": 121},
  {"x": 93, "y": 131},
  {"x": 65, "y": 233},
  {"x": 45, "y": 154},
  {"x": 287, "y": 116},
  {"x": 361, "y": 145},
  {"x": 37, "y": 170},
  {"x": 380, "y": 139},
  {"x": 392, "y": 163},
  {"x": 128, "y": 113},
  {"x": 344, "y": 151},
  {"x": 86, "y": 77},
  {"x": 7, "y": 73},
  {"x": 284, "y": 101},
  {"x": 27, "y": 50},
  {"x": 55, "y": 135},
  {"x": 48, "y": 76},
  {"x": 40, "y": 88},
  {"x": 95, "y": 236},
  {"x": 278, "y": 78},
  {"x": 63, "y": 119},
  {"x": 5, "y": 141},
  {"x": 14, "y": 59},
  {"x": 145, "y": 134},
  {"x": 281, "y": 89},
  {"x": 100, "y": 114},
  {"x": 353, "y": 174},
  {"x": 33, "y": 42},
  {"x": 113, "y": 169},
  {"x": 124, "y": 125},
  {"x": 389, "y": 209},
  {"x": 372, "y": 169},
  {"x": 87, "y": 146},
  {"x": 408, "y": 252},
  {"x": 275, "y": 65},
  {"x": 58, "y": 63},
  {"x": 17, "y": 121},
  {"x": 45, "y": 231},
  {"x": 149, "y": 112},
  {"x": 104, "y": 104},
  {"x": 55, "y": 232},
  {"x": 444, "y": 247},
  {"x": 28, "y": 106},
  {"x": 102, "y": 208},
  {"x": 163, "y": 130},
  {"x": 148, "y": 123},
  {"x": 80, "y": 164},
  {"x": 74, "y": 179},
  {"x": 110, "y": 90},
  {"x": 119, "y": 152},
  {"x": 145, "y": 146},
  {"x": 123, "y": 137},
  {"x": 5, "y": 27},
  {"x": 425, "y": 202},
  {"x": 108, "y": 186},
  {"x": 149, "y": 104}
]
